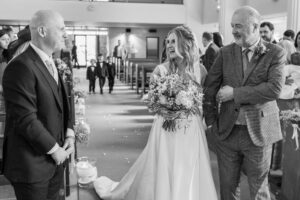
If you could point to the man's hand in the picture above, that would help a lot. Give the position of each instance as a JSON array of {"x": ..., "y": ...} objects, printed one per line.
[
  {"x": 225, "y": 94},
  {"x": 69, "y": 145},
  {"x": 289, "y": 80},
  {"x": 59, "y": 156},
  {"x": 209, "y": 129}
]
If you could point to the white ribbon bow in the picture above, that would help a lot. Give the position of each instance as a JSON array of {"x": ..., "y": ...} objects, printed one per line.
[{"x": 295, "y": 135}]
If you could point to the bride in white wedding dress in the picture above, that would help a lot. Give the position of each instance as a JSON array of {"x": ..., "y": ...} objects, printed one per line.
[{"x": 174, "y": 165}]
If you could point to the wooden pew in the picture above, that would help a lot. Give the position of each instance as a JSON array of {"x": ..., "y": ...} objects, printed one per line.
[
  {"x": 142, "y": 70},
  {"x": 146, "y": 69},
  {"x": 139, "y": 68}
]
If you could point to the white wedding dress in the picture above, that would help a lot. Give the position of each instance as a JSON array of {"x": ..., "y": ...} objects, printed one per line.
[{"x": 173, "y": 166}]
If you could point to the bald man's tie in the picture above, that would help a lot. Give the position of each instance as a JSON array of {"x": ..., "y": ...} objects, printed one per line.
[{"x": 50, "y": 66}]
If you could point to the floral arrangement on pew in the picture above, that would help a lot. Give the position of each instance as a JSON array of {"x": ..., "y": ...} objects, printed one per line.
[
  {"x": 81, "y": 128},
  {"x": 174, "y": 98},
  {"x": 82, "y": 131},
  {"x": 76, "y": 81},
  {"x": 291, "y": 117},
  {"x": 79, "y": 99}
]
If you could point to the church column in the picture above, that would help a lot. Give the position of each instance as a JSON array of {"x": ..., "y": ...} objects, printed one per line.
[
  {"x": 227, "y": 7},
  {"x": 293, "y": 15},
  {"x": 194, "y": 17}
]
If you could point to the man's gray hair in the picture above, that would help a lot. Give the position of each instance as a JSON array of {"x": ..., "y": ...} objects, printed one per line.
[{"x": 252, "y": 14}]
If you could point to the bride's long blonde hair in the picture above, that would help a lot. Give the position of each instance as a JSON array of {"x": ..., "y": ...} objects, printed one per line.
[{"x": 187, "y": 46}]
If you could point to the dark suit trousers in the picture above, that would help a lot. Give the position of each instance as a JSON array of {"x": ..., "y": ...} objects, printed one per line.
[
  {"x": 45, "y": 190},
  {"x": 101, "y": 82},
  {"x": 92, "y": 83},
  {"x": 237, "y": 153},
  {"x": 111, "y": 82}
]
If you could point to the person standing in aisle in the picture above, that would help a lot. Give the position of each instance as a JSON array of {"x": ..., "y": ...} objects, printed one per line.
[
  {"x": 91, "y": 76},
  {"x": 101, "y": 71},
  {"x": 111, "y": 71}
]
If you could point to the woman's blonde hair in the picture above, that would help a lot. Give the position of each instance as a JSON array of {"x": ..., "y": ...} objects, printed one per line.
[{"x": 187, "y": 46}]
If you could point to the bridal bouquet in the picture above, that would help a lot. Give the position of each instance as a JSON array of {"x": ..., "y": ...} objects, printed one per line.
[{"x": 174, "y": 98}]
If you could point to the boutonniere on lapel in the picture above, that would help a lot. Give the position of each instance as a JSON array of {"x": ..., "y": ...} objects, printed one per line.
[
  {"x": 63, "y": 70},
  {"x": 260, "y": 50}
]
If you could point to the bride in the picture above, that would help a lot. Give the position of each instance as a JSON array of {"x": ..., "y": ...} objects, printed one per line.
[{"x": 176, "y": 165}]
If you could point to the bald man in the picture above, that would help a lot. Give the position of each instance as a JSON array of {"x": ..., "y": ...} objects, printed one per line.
[
  {"x": 39, "y": 136},
  {"x": 240, "y": 106}
]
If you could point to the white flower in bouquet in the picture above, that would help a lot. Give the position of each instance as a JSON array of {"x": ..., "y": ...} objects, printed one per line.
[
  {"x": 163, "y": 99},
  {"x": 185, "y": 99},
  {"x": 163, "y": 87}
]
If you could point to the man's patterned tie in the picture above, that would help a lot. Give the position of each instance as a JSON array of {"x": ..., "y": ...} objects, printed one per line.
[{"x": 246, "y": 61}]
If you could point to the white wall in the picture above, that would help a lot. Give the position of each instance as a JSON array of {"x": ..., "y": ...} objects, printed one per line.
[
  {"x": 136, "y": 39},
  {"x": 265, "y": 7},
  {"x": 209, "y": 10},
  {"x": 97, "y": 12},
  {"x": 194, "y": 18},
  {"x": 268, "y": 7}
]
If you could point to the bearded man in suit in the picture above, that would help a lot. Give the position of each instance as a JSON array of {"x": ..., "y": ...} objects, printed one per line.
[
  {"x": 240, "y": 106},
  {"x": 38, "y": 136}
]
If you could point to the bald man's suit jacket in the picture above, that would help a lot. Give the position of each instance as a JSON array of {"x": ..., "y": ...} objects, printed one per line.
[{"x": 37, "y": 117}]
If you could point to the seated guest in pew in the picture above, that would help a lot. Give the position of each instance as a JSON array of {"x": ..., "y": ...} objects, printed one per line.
[
  {"x": 101, "y": 71},
  {"x": 91, "y": 76},
  {"x": 111, "y": 72}
]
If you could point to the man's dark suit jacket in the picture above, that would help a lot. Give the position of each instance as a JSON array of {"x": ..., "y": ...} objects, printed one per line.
[
  {"x": 101, "y": 72},
  {"x": 111, "y": 70},
  {"x": 210, "y": 55},
  {"x": 115, "y": 52},
  {"x": 90, "y": 75},
  {"x": 37, "y": 117}
]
